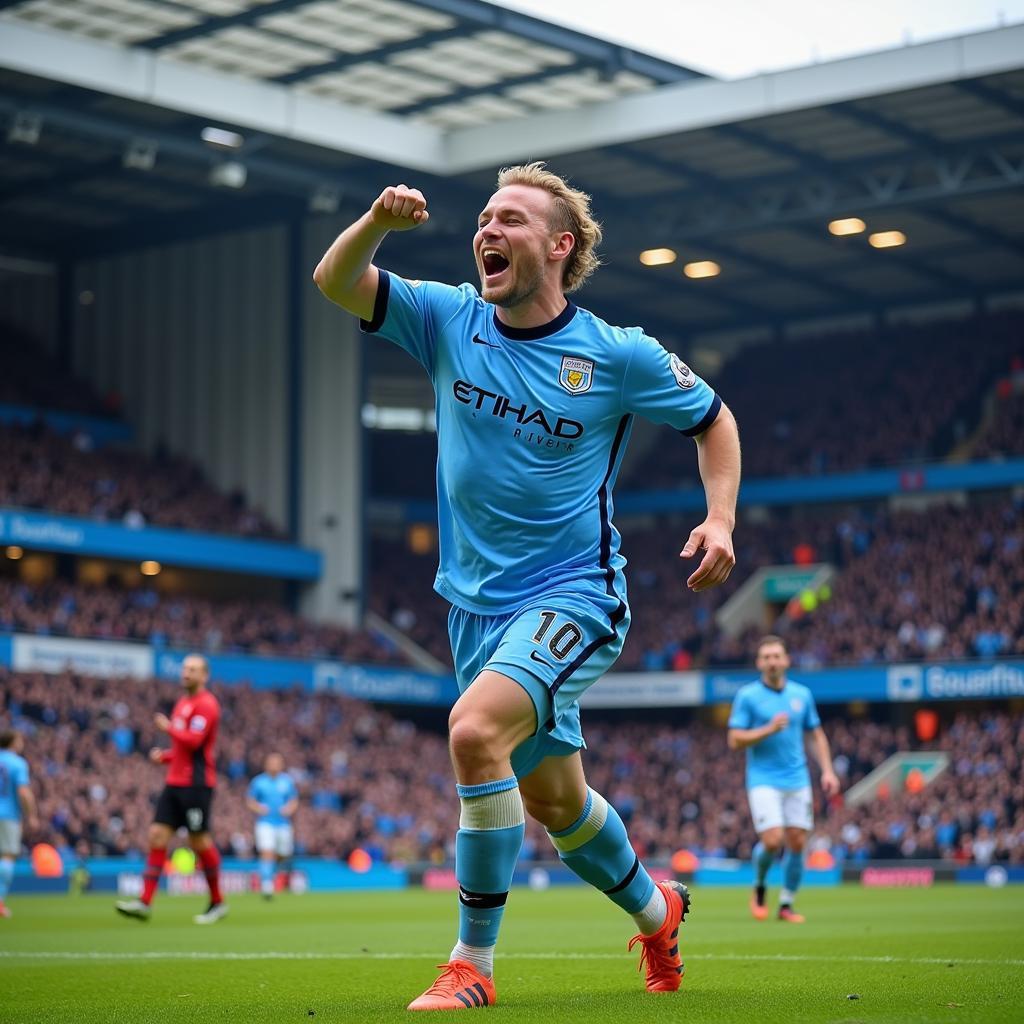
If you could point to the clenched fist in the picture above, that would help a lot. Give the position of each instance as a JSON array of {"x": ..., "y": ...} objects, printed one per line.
[{"x": 399, "y": 208}]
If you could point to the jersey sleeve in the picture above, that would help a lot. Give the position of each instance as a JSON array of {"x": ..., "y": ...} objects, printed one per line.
[
  {"x": 254, "y": 791},
  {"x": 659, "y": 386},
  {"x": 412, "y": 314},
  {"x": 811, "y": 719},
  {"x": 739, "y": 716},
  {"x": 20, "y": 774}
]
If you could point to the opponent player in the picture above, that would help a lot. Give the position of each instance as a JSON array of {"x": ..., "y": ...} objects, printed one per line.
[
  {"x": 274, "y": 799},
  {"x": 188, "y": 794},
  {"x": 768, "y": 720},
  {"x": 535, "y": 399},
  {"x": 17, "y": 804}
]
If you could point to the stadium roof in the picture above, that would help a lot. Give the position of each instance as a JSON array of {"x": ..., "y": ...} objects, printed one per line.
[{"x": 104, "y": 102}]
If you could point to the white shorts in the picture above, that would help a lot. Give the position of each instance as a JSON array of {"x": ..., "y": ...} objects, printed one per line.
[
  {"x": 10, "y": 838},
  {"x": 778, "y": 808},
  {"x": 279, "y": 839}
]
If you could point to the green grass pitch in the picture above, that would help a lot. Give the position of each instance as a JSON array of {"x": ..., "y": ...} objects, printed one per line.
[{"x": 944, "y": 954}]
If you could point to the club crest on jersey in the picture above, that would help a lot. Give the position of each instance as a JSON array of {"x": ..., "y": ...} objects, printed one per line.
[
  {"x": 576, "y": 375},
  {"x": 685, "y": 377}
]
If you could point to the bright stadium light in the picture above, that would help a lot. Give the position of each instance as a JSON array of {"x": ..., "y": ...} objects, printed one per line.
[
  {"x": 14, "y": 552},
  {"x": 886, "y": 239},
  {"x": 222, "y": 137},
  {"x": 847, "y": 226},
  {"x": 657, "y": 257},
  {"x": 150, "y": 568},
  {"x": 230, "y": 174},
  {"x": 702, "y": 268}
]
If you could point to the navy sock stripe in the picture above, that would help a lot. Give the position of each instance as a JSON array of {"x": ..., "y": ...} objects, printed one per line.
[
  {"x": 630, "y": 875},
  {"x": 482, "y": 900}
]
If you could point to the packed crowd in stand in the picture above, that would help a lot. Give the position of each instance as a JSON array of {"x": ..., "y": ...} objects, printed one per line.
[
  {"x": 40, "y": 469},
  {"x": 114, "y": 613},
  {"x": 371, "y": 780},
  {"x": 855, "y": 400}
]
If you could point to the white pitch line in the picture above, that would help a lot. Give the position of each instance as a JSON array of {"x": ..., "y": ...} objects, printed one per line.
[{"x": 776, "y": 957}]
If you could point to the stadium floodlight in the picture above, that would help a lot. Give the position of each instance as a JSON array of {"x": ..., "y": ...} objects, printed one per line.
[
  {"x": 25, "y": 128},
  {"x": 229, "y": 174},
  {"x": 324, "y": 200},
  {"x": 150, "y": 568},
  {"x": 223, "y": 137},
  {"x": 14, "y": 552},
  {"x": 846, "y": 226},
  {"x": 658, "y": 257},
  {"x": 702, "y": 268},
  {"x": 886, "y": 239},
  {"x": 140, "y": 155}
]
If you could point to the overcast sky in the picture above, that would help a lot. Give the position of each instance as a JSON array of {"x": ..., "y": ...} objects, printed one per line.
[{"x": 736, "y": 38}]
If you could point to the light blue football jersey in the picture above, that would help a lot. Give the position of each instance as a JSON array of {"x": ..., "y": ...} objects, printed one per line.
[
  {"x": 13, "y": 774},
  {"x": 532, "y": 424},
  {"x": 779, "y": 760},
  {"x": 273, "y": 792}
]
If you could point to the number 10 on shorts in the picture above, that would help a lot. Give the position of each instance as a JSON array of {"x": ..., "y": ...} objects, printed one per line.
[{"x": 563, "y": 640}]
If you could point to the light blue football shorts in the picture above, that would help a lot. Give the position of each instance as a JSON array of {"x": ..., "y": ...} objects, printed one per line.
[{"x": 554, "y": 647}]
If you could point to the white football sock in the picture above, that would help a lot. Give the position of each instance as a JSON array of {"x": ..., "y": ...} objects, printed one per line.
[
  {"x": 481, "y": 957},
  {"x": 653, "y": 915}
]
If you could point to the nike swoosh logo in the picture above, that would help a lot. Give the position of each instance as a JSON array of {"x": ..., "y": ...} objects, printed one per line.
[
  {"x": 542, "y": 661},
  {"x": 477, "y": 340}
]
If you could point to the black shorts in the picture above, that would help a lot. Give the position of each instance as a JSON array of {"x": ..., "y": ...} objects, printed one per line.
[{"x": 187, "y": 806}]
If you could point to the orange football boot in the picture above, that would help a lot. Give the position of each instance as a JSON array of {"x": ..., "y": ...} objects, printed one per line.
[
  {"x": 790, "y": 915},
  {"x": 460, "y": 987},
  {"x": 758, "y": 910},
  {"x": 665, "y": 968}
]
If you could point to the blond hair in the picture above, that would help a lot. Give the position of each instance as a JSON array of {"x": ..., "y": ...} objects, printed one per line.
[{"x": 570, "y": 212}]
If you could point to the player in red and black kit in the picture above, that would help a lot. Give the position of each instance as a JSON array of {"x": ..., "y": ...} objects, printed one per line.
[{"x": 186, "y": 798}]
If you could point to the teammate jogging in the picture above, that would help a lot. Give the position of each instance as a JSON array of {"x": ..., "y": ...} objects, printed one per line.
[{"x": 769, "y": 719}]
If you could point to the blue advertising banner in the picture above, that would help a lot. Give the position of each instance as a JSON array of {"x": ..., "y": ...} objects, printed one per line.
[
  {"x": 969, "y": 680},
  {"x": 372, "y": 683},
  {"x": 171, "y": 547}
]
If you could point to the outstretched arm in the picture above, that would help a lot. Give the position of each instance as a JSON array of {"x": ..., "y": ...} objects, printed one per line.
[
  {"x": 823, "y": 755},
  {"x": 346, "y": 274},
  {"x": 718, "y": 456}
]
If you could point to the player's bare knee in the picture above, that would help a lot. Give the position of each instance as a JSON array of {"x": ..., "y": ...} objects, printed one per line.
[
  {"x": 796, "y": 840},
  {"x": 772, "y": 839},
  {"x": 474, "y": 740},
  {"x": 159, "y": 836}
]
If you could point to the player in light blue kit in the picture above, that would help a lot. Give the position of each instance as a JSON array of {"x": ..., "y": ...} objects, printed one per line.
[
  {"x": 17, "y": 804},
  {"x": 769, "y": 719},
  {"x": 273, "y": 798},
  {"x": 535, "y": 399}
]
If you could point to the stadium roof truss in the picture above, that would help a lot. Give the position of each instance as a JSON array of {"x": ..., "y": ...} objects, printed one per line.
[{"x": 103, "y": 103}]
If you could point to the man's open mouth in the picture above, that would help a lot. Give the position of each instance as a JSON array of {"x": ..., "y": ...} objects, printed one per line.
[{"x": 494, "y": 262}]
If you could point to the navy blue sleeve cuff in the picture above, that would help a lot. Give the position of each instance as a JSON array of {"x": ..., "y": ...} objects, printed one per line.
[
  {"x": 709, "y": 417},
  {"x": 380, "y": 304}
]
